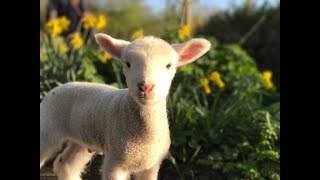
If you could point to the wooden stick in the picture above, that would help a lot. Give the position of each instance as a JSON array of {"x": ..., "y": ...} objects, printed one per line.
[{"x": 252, "y": 30}]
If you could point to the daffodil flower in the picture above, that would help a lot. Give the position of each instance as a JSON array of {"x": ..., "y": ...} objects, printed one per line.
[
  {"x": 54, "y": 27},
  {"x": 89, "y": 21},
  {"x": 105, "y": 57},
  {"x": 63, "y": 48},
  {"x": 184, "y": 31},
  {"x": 41, "y": 56},
  {"x": 76, "y": 40},
  {"x": 137, "y": 34},
  {"x": 101, "y": 22},
  {"x": 57, "y": 26},
  {"x": 267, "y": 75},
  {"x": 205, "y": 84},
  {"x": 215, "y": 77}
]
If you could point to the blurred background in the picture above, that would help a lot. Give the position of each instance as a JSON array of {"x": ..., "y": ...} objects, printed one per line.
[{"x": 227, "y": 125}]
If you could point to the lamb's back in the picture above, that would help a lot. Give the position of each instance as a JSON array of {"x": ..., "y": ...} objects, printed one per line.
[{"x": 84, "y": 109}]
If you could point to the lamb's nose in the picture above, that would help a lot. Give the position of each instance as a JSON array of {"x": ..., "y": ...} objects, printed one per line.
[{"x": 145, "y": 88}]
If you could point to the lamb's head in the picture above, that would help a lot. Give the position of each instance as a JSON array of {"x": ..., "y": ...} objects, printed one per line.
[{"x": 149, "y": 63}]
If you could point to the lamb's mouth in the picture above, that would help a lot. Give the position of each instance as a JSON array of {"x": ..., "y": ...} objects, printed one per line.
[
  {"x": 144, "y": 96},
  {"x": 146, "y": 99}
]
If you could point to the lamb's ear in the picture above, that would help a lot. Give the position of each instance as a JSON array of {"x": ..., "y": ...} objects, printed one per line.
[
  {"x": 111, "y": 45},
  {"x": 191, "y": 50}
]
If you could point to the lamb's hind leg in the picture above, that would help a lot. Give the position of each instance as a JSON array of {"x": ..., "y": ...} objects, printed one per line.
[
  {"x": 49, "y": 145},
  {"x": 70, "y": 164}
]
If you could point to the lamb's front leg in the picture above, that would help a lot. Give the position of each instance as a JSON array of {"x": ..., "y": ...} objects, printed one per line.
[
  {"x": 113, "y": 171},
  {"x": 149, "y": 174}
]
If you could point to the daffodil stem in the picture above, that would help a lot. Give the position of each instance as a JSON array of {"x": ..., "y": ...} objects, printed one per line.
[
  {"x": 71, "y": 55},
  {"x": 78, "y": 29},
  {"x": 85, "y": 35},
  {"x": 51, "y": 46},
  {"x": 215, "y": 104}
]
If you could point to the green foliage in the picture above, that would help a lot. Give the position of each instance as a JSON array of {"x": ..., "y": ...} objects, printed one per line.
[
  {"x": 57, "y": 68},
  {"x": 263, "y": 45},
  {"x": 111, "y": 73},
  {"x": 231, "y": 133}
]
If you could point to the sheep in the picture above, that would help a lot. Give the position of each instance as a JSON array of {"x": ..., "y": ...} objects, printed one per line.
[{"x": 129, "y": 126}]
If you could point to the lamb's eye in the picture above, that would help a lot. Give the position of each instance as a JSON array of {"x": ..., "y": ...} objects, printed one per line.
[
  {"x": 168, "y": 66},
  {"x": 128, "y": 64}
]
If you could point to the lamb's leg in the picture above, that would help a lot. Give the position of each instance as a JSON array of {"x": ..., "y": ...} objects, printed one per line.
[
  {"x": 113, "y": 171},
  {"x": 70, "y": 164},
  {"x": 47, "y": 152},
  {"x": 149, "y": 174},
  {"x": 48, "y": 147}
]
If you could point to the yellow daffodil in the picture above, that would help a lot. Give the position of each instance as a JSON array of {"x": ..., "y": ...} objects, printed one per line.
[
  {"x": 57, "y": 26},
  {"x": 105, "y": 57},
  {"x": 267, "y": 75},
  {"x": 76, "y": 40},
  {"x": 101, "y": 22},
  {"x": 137, "y": 34},
  {"x": 205, "y": 84},
  {"x": 89, "y": 21},
  {"x": 41, "y": 56},
  {"x": 64, "y": 22},
  {"x": 184, "y": 31},
  {"x": 215, "y": 77},
  {"x": 58, "y": 40},
  {"x": 63, "y": 48},
  {"x": 54, "y": 27}
]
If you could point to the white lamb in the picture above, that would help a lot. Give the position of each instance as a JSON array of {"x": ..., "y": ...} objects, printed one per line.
[{"x": 130, "y": 126}]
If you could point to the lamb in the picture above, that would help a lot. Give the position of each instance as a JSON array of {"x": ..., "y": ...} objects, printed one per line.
[{"x": 129, "y": 126}]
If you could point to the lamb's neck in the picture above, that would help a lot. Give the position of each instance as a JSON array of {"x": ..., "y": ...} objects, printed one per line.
[{"x": 152, "y": 117}]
